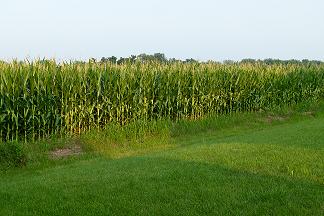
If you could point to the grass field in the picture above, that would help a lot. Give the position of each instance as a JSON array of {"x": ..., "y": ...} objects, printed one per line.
[{"x": 245, "y": 167}]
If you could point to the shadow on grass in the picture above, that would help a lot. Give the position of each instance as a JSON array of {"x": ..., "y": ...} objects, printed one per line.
[
  {"x": 307, "y": 133},
  {"x": 295, "y": 150},
  {"x": 155, "y": 186}
]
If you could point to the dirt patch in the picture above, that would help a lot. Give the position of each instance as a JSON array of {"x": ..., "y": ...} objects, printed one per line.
[
  {"x": 66, "y": 152},
  {"x": 310, "y": 113},
  {"x": 271, "y": 119}
]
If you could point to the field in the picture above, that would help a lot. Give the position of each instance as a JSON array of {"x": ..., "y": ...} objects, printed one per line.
[
  {"x": 246, "y": 167},
  {"x": 161, "y": 138},
  {"x": 41, "y": 99}
]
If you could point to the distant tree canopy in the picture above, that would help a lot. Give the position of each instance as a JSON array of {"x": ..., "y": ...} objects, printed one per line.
[
  {"x": 112, "y": 59},
  {"x": 161, "y": 58},
  {"x": 191, "y": 60},
  {"x": 158, "y": 57},
  {"x": 270, "y": 61}
]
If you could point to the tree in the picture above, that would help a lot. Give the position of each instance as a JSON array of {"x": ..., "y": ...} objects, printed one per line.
[
  {"x": 121, "y": 60},
  {"x": 230, "y": 62},
  {"x": 191, "y": 60},
  {"x": 112, "y": 59},
  {"x": 248, "y": 61},
  {"x": 160, "y": 57},
  {"x": 92, "y": 60}
]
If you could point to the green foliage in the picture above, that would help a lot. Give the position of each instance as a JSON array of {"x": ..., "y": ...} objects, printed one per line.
[
  {"x": 156, "y": 57},
  {"x": 42, "y": 98},
  {"x": 12, "y": 154},
  {"x": 276, "y": 170},
  {"x": 134, "y": 138}
]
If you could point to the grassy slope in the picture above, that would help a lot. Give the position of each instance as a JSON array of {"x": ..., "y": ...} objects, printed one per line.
[{"x": 273, "y": 170}]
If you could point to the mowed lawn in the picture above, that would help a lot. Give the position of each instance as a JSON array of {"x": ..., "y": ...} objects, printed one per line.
[{"x": 276, "y": 170}]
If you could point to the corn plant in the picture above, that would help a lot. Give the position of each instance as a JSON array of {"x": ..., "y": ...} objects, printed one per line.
[{"x": 43, "y": 98}]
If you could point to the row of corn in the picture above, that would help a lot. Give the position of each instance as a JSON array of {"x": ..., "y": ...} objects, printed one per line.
[{"x": 44, "y": 98}]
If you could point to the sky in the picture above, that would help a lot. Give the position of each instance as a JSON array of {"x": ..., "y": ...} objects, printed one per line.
[{"x": 201, "y": 29}]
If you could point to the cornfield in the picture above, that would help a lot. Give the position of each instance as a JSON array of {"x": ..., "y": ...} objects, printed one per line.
[{"x": 44, "y": 98}]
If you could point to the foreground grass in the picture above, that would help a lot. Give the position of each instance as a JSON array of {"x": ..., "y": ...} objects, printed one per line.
[{"x": 254, "y": 169}]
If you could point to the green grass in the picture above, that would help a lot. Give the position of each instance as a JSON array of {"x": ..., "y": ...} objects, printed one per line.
[{"x": 244, "y": 164}]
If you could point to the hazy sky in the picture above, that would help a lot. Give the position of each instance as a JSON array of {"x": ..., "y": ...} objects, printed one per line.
[{"x": 204, "y": 29}]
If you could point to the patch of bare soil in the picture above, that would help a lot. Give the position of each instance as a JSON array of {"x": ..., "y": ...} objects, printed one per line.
[
  {"x": 310, "y": 113},
  {"x": 66, "y": 152},
  {"x": 271, "y": 119}
]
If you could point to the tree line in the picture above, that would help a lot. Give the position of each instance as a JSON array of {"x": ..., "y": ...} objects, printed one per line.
[{"x": 161, "y": 58}]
